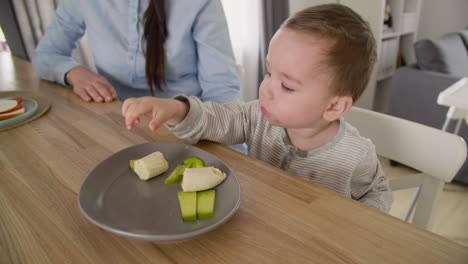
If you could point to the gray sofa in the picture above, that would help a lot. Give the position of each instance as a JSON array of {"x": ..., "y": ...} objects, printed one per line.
[{"x": 415, "y": 88}]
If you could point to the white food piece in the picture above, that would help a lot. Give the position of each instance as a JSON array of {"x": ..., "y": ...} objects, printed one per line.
[
  {"x": 199, "y": 179},
  {"x": 6, "y": 105},
  {"x": 150, "y": 166}
]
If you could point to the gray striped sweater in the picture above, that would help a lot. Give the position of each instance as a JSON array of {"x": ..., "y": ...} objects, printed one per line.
[{"x": 347, "y": 164}]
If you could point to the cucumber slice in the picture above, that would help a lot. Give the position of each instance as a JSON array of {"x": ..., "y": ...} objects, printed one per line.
[
  {"x": 194, "y": 162},
  {"x": 176, "y": 175},
  {"x": 205, "y": 203},
  {"x": 188, "y": 205}
]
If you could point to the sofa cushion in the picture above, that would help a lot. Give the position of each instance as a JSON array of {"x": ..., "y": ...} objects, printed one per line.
[{"x": 446, "y": 54}]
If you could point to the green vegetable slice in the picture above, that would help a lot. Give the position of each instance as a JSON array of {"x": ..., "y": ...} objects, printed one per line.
[
  {"x": 205, "y": 203},
  {"x": 194, "y": 162},
  {"x": 176, "y": 175},
  {"x": 188, "y": 205}
]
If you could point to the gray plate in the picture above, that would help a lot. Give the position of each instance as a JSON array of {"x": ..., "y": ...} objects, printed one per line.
[
  {"x": 115, "y": 199},
  {"x": 30, "y": 108}
]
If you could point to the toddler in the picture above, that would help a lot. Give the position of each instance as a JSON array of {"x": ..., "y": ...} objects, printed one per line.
[{"x": 319, "y": 62}]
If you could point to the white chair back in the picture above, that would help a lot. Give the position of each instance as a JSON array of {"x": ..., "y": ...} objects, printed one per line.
[{"x": 437, "y": 154}]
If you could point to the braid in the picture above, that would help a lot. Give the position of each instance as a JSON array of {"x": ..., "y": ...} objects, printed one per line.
[{"x": 155, "y": 34}]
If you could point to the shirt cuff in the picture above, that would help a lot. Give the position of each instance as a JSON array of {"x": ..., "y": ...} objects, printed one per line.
[
  {"x": 62, "y": 69},
  {"x": 191, "y": 123}
]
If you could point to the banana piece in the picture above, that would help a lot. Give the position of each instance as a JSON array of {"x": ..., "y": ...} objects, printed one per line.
[
  {"x": 199, "y": 179},
  {"x": 150, "y": 166}
]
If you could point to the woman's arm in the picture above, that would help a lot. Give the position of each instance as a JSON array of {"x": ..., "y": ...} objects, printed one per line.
[{"x": 52, "y": 57}]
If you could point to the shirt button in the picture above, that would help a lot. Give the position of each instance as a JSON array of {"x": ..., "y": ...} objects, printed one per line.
[
  {"x": 134, "y": 41},
  {"x": 130, "y": 57},
  {"x": 133, "y": 20}
]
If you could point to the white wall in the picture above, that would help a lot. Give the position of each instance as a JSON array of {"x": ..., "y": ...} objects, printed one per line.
[
  {"x": 298, "y": 5},
  {"x": 442, "y": 16}
]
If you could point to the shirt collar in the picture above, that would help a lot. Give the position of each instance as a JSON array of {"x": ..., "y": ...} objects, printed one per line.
[{"x": 308, "y": 153}]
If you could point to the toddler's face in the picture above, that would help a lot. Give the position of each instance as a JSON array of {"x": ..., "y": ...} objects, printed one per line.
[{"x": 295, "y": 91}]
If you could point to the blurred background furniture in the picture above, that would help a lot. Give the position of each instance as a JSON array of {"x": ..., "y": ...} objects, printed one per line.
[
  {"x": 438, "y": 155},
  {"x": 3, "y": 42},
  {"x": 415, "y": 88},
  {"x": 455, "y": 97}
]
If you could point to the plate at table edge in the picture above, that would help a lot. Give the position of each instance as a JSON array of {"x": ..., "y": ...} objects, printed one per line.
[
  {"x": 115, "y": 199},
  {"x": 30, "y": 109}
]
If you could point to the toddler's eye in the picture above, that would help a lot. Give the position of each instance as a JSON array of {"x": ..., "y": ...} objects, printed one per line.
[{"x": 287, "y": 89}]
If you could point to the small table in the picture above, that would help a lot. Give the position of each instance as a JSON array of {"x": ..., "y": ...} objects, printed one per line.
[{"x": 456, "y": 97}]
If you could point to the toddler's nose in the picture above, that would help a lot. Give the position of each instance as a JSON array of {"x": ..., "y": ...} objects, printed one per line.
[{"x": 265, "y": 89}]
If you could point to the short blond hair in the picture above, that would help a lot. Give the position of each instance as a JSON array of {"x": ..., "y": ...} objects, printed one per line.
[{"x": 353, "y": 53}]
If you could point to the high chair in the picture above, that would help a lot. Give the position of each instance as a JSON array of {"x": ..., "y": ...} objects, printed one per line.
[{"x": 438, "y": 155}]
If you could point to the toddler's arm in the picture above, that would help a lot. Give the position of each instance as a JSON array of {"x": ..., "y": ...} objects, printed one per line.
[
  {"x": 230, "y": 123},
  {"x": 194, "y": 120}
]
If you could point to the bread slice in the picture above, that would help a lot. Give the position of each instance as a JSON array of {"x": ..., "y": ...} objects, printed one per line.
[
  {"x": 19, "y": 106},
  {"x": 7, "y": 105},
  {"x": 13, "y": 113}
]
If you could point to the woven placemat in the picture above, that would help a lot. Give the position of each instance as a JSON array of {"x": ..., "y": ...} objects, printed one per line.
[{"x": 42, "y": 102}]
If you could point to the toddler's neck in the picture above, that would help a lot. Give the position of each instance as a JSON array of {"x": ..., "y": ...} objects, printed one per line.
[{"x": 312, "y": 138}]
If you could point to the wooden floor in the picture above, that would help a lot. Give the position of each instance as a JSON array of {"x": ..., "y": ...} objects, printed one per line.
[{"x": 451, "y": 217}]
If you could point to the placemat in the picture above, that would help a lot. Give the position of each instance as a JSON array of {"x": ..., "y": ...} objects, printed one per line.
[{"x": 43, "y": 105}]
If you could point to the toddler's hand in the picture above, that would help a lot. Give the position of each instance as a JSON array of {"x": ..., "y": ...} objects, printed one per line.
[{"x": 160, "y": 111}]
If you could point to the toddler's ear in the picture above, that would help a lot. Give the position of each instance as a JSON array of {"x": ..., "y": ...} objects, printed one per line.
[{"x": 337, "y": 107}]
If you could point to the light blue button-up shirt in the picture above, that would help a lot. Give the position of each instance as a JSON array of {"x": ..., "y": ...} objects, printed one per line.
[{"x": 199, "y": 57}]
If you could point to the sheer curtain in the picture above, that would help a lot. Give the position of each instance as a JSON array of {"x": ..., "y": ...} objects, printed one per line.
[
  {"x": 32, "y": 18},
  {"x": 252, "y": 23}
]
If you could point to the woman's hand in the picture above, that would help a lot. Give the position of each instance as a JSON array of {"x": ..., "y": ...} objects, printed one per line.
[
  {"x": 90, "y": 86},
  {"x": 160, "y": 111}
]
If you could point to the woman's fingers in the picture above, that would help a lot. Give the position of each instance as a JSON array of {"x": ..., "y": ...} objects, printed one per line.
[
  {"x": 105, "y": 89},
  {"x": 97, "y": 91},
  {"x": 82, "y": 94}
]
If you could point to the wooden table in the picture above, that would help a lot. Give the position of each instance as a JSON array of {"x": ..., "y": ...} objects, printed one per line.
[{"x": 282, "y": 218}]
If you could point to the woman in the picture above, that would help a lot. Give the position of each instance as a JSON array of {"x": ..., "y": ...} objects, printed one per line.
[{"x": 141, "y": 47}]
